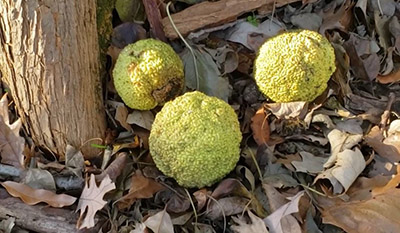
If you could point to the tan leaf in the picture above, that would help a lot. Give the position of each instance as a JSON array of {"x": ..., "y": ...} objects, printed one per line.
[
  {"x": 276, "y": 221},
  {"x": 32, "y": 196},
  {"x": 143, "y": 119},
  {"x": 378, "y": 211},
  {"x": 388, "y": 148},
  {"x": 288, "y": 110},
  {"x": 91, "y": 200},
  {"x": 160, "y": 223},
  {"x": 348, "y": 166},
  {"x": 11, "y": 143},
  {"x": 141, "y": 187},
  {"x": 260, "y": 127},
  {"x": 255, "y": 225},
  {"x": 121, "y": 115}
]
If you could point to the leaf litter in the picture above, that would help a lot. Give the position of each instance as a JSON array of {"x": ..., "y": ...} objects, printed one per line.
[{"x": 328, "y": 164}]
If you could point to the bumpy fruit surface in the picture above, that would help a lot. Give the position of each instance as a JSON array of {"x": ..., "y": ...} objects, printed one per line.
[
  {"x": 195, "y": 139},
  {"x": 148, "y": 73},
  {"x": 294, "y": 66}
]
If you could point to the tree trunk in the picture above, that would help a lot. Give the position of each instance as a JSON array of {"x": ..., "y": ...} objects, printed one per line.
[{"x": 49, "y": 58}]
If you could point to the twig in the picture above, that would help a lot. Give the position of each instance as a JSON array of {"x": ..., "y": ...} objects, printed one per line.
[{"x": 386, "y": 114}]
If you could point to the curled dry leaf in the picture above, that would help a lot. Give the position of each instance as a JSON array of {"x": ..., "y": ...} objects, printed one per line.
[
  {"x": 91, "y": 200},
  {"x": 390, "y": 78},
  {"x": 121, "y": 115},
  {"x": 141, "y": 187},
  {"x": 349, "y": 165},
  {"x": 260, "y": 127},
  {"x": 32, "y": 196}
]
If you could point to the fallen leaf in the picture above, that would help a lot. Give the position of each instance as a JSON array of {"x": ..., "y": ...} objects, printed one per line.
[
  {"x": 275, "y": 201},
  {"x": 310, "y": 21},
  {"x": 32, "y": 196},
  {"x": 260, "y": 127},
  {"x": 160, "y": 223},
  {"x": 377, "y": 211},
  {"x": 121, "y": 115},
  {"x": 91, "y": 200},
  {"x": 39, "y": 179},
  {"x": 182, "y": 219},
  {"x": 254, "y": 225},
  {"x": 143, "y": 119},
  {"x": 252, "y": 36},
  {"x": 278, "y": 176},
  {"x": 389, "y": 149},
  {"x": 201, "y": 198},
  {"x": 288, "y": 110},
  {"x": 12, "y": 144},
  {"x": 273, "y": 221},
  {"x": 114, "y": 169},
  {"x": 208, "y": 79},
  {"x": 340, "y": 18},
  {"x": 226, "y": 207},
  {"x": 141, "y": 187},
  {"x": 343, "y": 137},
  {"x": 364, "y": 60},
  {"x": 74, "y": 160},
  {"x": 310, "y": 163},
  {"x": 348, "y": 166},
  {"x": 390, "y": 78}
]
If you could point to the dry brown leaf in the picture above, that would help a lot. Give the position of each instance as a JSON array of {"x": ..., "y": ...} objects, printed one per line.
[
  {"x": 260, "y": 127},
  {"x": 392, "y": 184},
  {"x": 160, "y": 223},
  {"x": 389, "y": 149},
  {"x": 226, "y": 207},
  {"x": 141, "y": 187},
  {"x": 121, "y": 115},
  {"x": 337, "y": 18},
  {"x": 390, "y": 78},
  {"x": 288, "y": 110},
  {"x": 91, "y": 200},
  {"x": 12, "y": 144},
  {"x": 280, "y": 220},
  {"x": 254, "y": 225},
  {"x": 382, "y": 206},
  {"x": 114, "y": 169},
  {"x": 32, "y": 196},
  {"x": 201, "y": 198}
]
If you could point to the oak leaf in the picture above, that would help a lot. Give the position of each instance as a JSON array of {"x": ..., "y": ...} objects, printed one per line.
[{"x": 91, "y": 200}]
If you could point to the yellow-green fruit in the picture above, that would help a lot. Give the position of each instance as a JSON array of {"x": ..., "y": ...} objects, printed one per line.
[
  {"x": 148, "y": 73},
  {"x": 195, "y": 139},
  {"x": 294, "y": 66}
]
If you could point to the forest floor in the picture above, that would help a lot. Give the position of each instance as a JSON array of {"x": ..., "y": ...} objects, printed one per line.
[{"x": 330, "y": 165}]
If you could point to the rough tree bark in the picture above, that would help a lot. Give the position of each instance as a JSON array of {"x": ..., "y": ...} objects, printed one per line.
[{"x": 49, "y": 58}]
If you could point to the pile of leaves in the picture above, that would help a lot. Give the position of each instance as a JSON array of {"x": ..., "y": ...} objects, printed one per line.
[{"x": 326, "y": 166}]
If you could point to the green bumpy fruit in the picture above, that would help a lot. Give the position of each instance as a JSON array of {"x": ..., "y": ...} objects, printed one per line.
[
  {"x": 195, "y": 139},
  {"x": 148, "y": 73},
  {"x": 294, "y": 66}
]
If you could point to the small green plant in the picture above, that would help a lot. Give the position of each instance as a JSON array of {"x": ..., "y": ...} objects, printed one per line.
[{"x": 253, "y": 20}]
